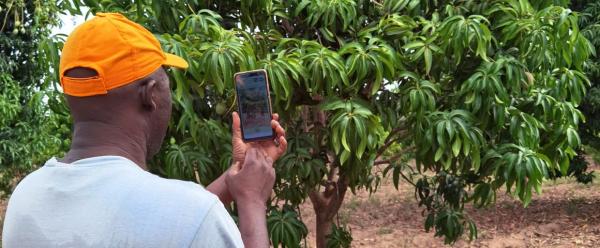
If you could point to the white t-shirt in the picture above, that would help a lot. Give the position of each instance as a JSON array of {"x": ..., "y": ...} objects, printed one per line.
[{"x": 109, "y": 201}]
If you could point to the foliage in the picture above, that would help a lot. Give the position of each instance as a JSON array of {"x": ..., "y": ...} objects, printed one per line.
[
  {"x": 590, "y": 107},
  {"x": 340, "y": 237},
  {"x": 285, "y": 228},
  {"x": 33, "y": 119},
  {"x": 590, "y": 28},
  {"x": 484, "y": 94}
]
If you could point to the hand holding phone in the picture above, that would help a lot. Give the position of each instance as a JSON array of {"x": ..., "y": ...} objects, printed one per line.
[
  {"x": 272, "y": 140},
  {"x": 254, "y": 105}
]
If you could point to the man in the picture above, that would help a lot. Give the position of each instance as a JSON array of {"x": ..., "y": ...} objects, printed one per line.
[{"x": 100, "y": 194}]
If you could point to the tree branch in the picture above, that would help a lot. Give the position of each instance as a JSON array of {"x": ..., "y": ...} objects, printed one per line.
[
  {"x": 407, "y": 180},
  {"x": 390, "y": 139},
  {"x": 395, "y": 157}
]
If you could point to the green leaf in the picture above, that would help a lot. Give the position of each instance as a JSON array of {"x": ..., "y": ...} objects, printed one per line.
[
  {"x": 456, "y": 147},
  {"x": 438, "y": 154},
  {"x": 428, "y": 60}
]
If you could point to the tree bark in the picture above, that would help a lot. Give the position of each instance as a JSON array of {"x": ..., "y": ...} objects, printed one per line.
[{"x": 326, "y": 205}]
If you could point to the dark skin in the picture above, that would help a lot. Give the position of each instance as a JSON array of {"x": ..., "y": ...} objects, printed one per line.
[{"x": 131, "y": 121}]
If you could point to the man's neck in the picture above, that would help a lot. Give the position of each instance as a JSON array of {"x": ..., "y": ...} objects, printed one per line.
[{"x": 92, "y": 139}]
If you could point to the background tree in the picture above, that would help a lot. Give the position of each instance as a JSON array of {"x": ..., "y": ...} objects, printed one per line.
[
  {"x": 33, "y": 119},
  {"x": 482, "y": 94},
  {"x": 590, "y": 130}
]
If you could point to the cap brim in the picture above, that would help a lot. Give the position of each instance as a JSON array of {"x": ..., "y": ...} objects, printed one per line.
[{"x": 175, "y": 61}]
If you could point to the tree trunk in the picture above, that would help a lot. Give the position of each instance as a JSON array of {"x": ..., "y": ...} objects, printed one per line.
[
  {"x": 323, "y": 229},
  {"x": 326, "y": 205}
]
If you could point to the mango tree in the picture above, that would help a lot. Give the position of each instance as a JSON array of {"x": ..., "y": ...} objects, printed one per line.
[
  {"x": 33, "y": 119},
  {"x": 481, "y": 94},
  {"x": 590, "y": 28}
]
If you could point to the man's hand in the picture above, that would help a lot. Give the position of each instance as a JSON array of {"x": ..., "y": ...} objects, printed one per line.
[
  {"x": 253, "y": 181},
  {"x": 250, "y": 185},
  {"x": 240, "y": 148},
  {"x": 270, "y": 148}
]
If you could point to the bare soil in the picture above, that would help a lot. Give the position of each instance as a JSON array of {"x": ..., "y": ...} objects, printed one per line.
[{"x": 566, "y": 214}]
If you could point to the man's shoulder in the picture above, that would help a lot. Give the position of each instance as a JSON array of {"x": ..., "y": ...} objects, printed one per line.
[
  {"x": 185, "y": 191},
  {"x": 118, "y": 177}
]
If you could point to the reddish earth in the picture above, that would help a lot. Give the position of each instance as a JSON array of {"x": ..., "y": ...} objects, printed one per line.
[{"x": 566, "y": 214}]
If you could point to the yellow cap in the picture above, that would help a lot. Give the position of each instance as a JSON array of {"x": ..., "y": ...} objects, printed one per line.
[{"x": 119, "y": 50}]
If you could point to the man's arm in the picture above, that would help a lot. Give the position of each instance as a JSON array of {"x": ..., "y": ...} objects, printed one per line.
[
  {"x": 218, "y": 230},
  {"x": 253, "y": 223},
  {"x": 271, "y": 148},
  {"x": 219, "y": 188},
  {"x": 251, "y": 186},
  {"x": 252, "y": 214}
]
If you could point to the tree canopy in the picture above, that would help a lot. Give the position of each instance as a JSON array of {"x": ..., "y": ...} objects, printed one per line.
[
  {"x": 33, "y": 119},
  {"x": 481, "y": 94}
]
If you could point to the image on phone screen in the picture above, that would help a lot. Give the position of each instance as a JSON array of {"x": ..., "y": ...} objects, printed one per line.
[{"x": 254, "y": 106}]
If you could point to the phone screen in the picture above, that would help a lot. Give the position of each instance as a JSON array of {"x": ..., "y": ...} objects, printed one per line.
[{"x": 254, "y": 105}]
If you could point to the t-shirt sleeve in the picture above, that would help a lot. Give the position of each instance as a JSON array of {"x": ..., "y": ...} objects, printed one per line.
[{"x": 217, "y": 230}]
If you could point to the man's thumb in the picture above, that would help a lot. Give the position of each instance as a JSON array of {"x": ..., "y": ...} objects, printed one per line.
[
  {"x": 235, "y": 168},
  {"x": 236, "y": 130}
]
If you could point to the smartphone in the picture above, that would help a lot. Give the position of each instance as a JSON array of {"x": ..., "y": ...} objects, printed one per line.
[{"x": 254, "y": 105}]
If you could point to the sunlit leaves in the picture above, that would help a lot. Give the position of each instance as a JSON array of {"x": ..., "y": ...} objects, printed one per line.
[
  {"x": 221, "y": 59},
  {"x": 329, "y": 13},
  {"x": 421, "y": 93},
  {"x": 423, "y": 49},
  {"x": 396, "y": 26},
  {"x": 354, "y": 128},
  {"x": 9, "y": 100},
  {"x": 299, "y": 171},
  {"x": 340, "y": 237},
  {"x": 470, "y": 33},
  {"x": 326, "y": 71},
  {"x": 449, "y": 135},
  {"x": 521, "y": 167},
  {"x": 524, "y": 128},
  {"x": 199, "y": 22},
  {"x": 518, "y": 19},
  {"x": 395, "y": 6},
  {"x": 376, "y": 59},
  {"x": 285, "y": 228},
  {"x": 284, "y": 73},
  {"x": 568, "y": 84},
  {"x": 483, "y": 93},
  {"x": 449, "y": 224},
  {"x": 485, "y": 88},
  {"x": 30, "y": 130},
  {"x": 534, "y": 31}
]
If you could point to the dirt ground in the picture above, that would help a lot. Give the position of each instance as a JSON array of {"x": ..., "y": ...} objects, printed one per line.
[{"x": 566, "y": 214}]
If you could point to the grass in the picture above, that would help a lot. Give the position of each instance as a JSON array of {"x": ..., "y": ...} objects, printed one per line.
[
  {"x": 353, "y": 204},
  {"x": 593, "y": 153},
  {"x": 572, "y": 206},
  {"x": 374, "y": 201},
  {"x": 384, "y": 230},
  {"x": 344, "y": 216},
  {"x": 559, "y": 181}
]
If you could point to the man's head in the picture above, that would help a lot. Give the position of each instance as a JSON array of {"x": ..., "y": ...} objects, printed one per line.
[
  {"x": 112, "y": 73},
  {"x": 143, "y": 105}
]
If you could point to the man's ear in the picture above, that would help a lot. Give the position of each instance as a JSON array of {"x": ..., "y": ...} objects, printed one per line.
[{"x": 147, "y": 92}]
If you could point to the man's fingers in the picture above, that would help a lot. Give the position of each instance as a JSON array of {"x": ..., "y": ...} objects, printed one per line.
[
  {"x": 282, "y": 145},
  {"x": 279, "y": 131},
  {"x": 251, "y": 154},
  {"x": 235, "y": 168},
  {"x": 236, "y": 130}
]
